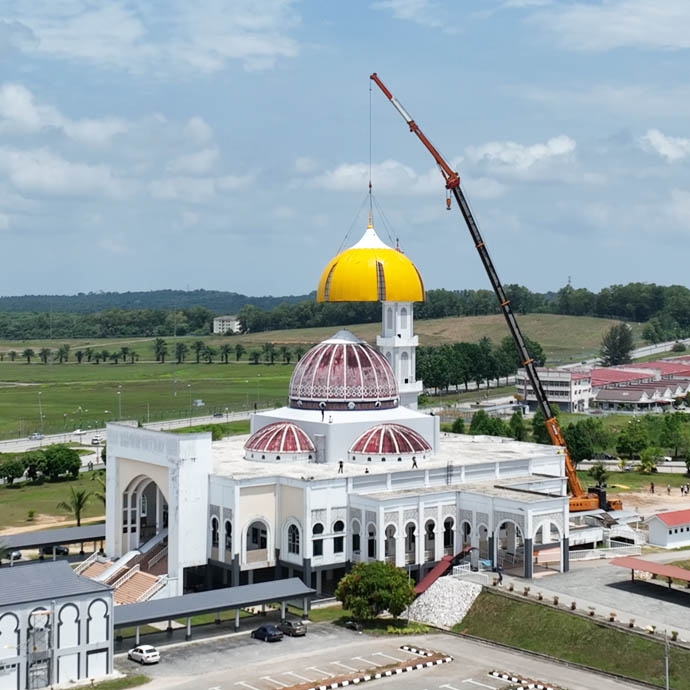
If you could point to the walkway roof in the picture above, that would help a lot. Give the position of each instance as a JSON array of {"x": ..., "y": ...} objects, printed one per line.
[
  {"x": 651, "y": 567},
  {"x": 48, "y": 537},
  {"x": 211, "y": 601}
]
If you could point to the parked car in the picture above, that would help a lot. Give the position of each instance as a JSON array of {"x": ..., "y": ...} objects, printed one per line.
[
  {"x": 144, "y": 654},
  {"x": 96, "y": 441},
  {"x": 293, "y": 628},
  {"x": 267, "y": 633},
  {"x": 36, "y": 436},
  {"x": 59, "y": 550}
]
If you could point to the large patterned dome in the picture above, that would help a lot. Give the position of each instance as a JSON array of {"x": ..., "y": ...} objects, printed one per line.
[
  {"x": 280, "y": 440},
  {"x": 390, "y": 441},
  {"x": 343, "y": 373}
]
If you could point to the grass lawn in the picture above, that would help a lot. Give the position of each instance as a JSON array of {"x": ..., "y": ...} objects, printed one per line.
[
  {"x": 121, "y": 683},
  {"x": 620, "y": 482},
  {"x": 573, "y": 638},
  {"x": 16, "y": 501}
]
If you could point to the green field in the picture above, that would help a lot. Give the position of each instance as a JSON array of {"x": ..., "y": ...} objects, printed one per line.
[{"x": 573, "y": 638}]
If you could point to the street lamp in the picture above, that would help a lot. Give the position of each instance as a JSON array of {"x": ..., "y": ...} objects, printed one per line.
[
  {"x": 40, "y": 412},
  {"x": 189, "y": 388},
  {"x": 246, "y": 395},
  {"x": 119, "y": 405},
  {"x": 258, "y": 390}
]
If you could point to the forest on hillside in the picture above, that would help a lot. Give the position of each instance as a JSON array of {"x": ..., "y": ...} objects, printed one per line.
[{"x": 163, "y": 313}]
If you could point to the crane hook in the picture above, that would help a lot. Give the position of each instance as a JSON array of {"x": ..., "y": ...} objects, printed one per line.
[{"x": 448, "y": 202}]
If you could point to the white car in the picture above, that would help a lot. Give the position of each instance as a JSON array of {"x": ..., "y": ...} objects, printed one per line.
[{"x": 144, "y": 654}]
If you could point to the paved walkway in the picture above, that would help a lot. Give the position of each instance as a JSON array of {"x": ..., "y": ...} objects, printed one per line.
[{"x": 607, "y": 588}]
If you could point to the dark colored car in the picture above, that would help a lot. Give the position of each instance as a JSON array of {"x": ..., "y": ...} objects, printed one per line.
[
  {"x": 293, "y": 628},
  {"x": 59, "y": 551},
  {"x": 267, "y": 633}
]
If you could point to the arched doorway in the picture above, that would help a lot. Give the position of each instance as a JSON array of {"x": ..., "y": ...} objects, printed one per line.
[
  {"x": 371, "y": 540},
  {"x": 389, "y": 546},
  {"x": 256, "y": 542},
  {"x": 144, "y": 512},
  {"x": 410, "y": 543},
  {"x": 510, "y": 546},
  {"x": 449, "y": 537},
  {"x": 429, "y": 541},
  {"x": 356, "y": 541}
]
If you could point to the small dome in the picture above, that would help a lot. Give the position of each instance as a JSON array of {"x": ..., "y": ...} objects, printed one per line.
[
  {"x": 370, "y": 271},
  {"x": 343, "y": 373},
  {"x": 279, "y": 440},
  {"x": 389, "y": 442}
]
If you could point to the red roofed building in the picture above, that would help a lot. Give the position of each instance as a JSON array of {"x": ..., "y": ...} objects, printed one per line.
[{"x": 671, "y": 529}]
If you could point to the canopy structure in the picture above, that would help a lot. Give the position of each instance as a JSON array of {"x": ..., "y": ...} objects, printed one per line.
[
  {"x": 671, "y": 572},
  {"x": 51, "y": 537}
]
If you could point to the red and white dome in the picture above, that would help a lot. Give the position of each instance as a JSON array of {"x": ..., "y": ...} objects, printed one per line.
[
  {"x": 280, "y": 440},
  {"x": 343, "y": 373},
  {"x": 389, "y": 442}
]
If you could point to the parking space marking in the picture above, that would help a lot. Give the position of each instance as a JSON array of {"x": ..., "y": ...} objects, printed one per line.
[
  {"x": 450, "y": 687},
  {"x": 388, "y": 656},
  {"x": 349, "y": 668},
  {"x": 246, "y": 685},
  {"x": 366, "y": 661},
  {"x": 297, "y": 675},
  {"x": 277, "y": 682},
  {"x": 322, "y": 672},
  {"x": 481, "y": 685}
]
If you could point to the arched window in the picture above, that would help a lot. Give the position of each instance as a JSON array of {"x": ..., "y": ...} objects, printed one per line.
[
  {"x": 339, "y": 539},
  {"x": 214, "y": 531},
  {"x": 371, "y": 542},
  {"x": 317, "y": 541},
  {"x": 355, "y": 537},
  {"x": 403, "y": 318},
  {"x": 293, "y": 539},
  {"x": 228, "y": 535}
]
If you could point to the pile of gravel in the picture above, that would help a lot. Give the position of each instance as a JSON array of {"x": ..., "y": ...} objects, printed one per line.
[{"x": 445, "y": 603}]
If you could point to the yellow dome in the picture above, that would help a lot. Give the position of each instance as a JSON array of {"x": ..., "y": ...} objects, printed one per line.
[{"x": 370, "y": 271}]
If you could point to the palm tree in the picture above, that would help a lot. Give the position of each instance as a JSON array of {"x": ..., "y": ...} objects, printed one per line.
[
  {"x": 225, "y": 351},
  {"x": 209, "y": 353},
  {"x": 79, "y": 356},
  {"x": 44, "y": 354},
  {"x": 89, "y": 353},
  {"x": 12, "y": 355},
  {"x": 285, "y": 354},
  {"x": 299, "y": 352},
  {"x": 160, "y": 350},
  {"x": 255, "y": 356},
  {"x": 181, "y": 351},
  {"x": 99, "y": 476},
  {"x": 199, "y": 346},
  {"x": 133, "y": 356},
  {"x": 124, "y": 353},
  {"x": 239, "y": 351},
  {"x": 76, "y": 503},
  {"x": 269, "y": 352}
]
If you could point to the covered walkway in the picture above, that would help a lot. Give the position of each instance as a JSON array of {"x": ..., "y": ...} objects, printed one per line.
[
  {"x": 55, "y": 537},
  {"x": 669, "y": 572},
  {"x": 213, "y": 601}
]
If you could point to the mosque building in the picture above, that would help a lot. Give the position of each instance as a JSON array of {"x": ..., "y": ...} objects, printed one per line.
[{"x": 348, "y": 471}]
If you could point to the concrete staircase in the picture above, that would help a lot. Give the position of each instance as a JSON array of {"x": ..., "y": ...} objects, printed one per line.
[{"x": 135, "y": 586}]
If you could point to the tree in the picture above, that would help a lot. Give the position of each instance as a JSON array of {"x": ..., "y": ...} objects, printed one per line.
[
  {"x": 371, "y": 588},
  {"x": 198, "y": 346},
  {"x": 649, "y": 457},
  {"x": 79, "y": 356},
  {"x": 539, "y": 432},
  {"x": 12, "y": 354},
  {"x": 99, "y": 477},
  {"x": 225, "y": 351},
  {"x": 255, "y": 356},
  {"x": 181, "y": 351},
  {"x": 269, "y": 350},
  {"x": 62, "y": 353},
  {"x": 160, "y": 350},
  {"x": 76, "y": 503},
  {"x": 672, "y": 432},
  {"x": 44, "y": 354},
  {"x": 209, "y": 353},
  {"x": 633, "y": 438},
  {"x": 599, "y": 473},
  {"x": 616, "y": 345},
  {"x": 516, "y": 426},
  {"x": 239, "y": 351},
  {"x": 61, "y": 459},
  {"x": 10, "y": 469},
  {"x": 483, "y": 424},
  {"x": 28, "y": 354},
  {"x": 458, "y": 426},
  {"x": 34, "y": 463}
]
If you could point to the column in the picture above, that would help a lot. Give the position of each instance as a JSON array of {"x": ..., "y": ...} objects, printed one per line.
[
  {"x": 136, "y": 636},
  {"x": 306, "y": 571},
  {"x": 565, "y": 554},
  {"x": 511, "y": 533},
  {"x": 237, "y": 620},
  {"x": 188, "y": 635},
  {"x": 235, "y": 575},
  {"x": 318, "y": 581},
  {"x": 492, "y": 550},
  {"x": 283, "y": 607},
  {"x": 529, "y": 557}
]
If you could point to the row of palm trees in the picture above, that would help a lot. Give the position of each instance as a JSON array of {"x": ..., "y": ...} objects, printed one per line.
[{"x": 203, "y": 352}]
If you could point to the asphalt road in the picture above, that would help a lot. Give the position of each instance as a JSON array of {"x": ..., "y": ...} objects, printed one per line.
[{"x": 240, "y": 663}]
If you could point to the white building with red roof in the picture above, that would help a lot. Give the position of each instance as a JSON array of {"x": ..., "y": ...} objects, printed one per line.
[{"x": 670, "y": 530}]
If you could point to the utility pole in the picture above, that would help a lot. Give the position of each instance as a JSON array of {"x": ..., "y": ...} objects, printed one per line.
[{"x": 666, "y": 658}]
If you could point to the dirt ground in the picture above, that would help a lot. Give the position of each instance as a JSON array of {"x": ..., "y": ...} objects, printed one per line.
[
  {"x": 41, "y": 522},
  {"x": 647, "y": 503}
]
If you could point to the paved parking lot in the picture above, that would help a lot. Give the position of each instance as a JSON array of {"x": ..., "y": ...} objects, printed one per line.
[{"x": 240, "y": 663}]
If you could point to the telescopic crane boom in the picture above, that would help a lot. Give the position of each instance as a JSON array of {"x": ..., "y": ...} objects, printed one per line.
[{"x": 580, "y": 499}]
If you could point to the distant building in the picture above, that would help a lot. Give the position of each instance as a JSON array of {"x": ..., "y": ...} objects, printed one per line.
[
  {"x": 226, "y": 324},
  {"x": 671, "y": 529},
  {"x": 55, "y": 626},
  {"x": 571, "y": 391}
]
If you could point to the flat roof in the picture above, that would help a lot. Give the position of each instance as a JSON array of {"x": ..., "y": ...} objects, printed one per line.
[
  {"x": 44, "y": 580},
  {"x": 48, "y": 537},
  {"x": 208, "y": 602},
  {"x": 454, "y": 449}
]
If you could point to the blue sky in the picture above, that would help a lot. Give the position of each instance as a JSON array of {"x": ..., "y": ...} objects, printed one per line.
[{"x": 224, "y": 144}]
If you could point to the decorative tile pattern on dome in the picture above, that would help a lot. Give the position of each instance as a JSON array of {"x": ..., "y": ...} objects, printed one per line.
[
  {"x": 280, "y": 437},
  {"x": 390, "y": 439}
]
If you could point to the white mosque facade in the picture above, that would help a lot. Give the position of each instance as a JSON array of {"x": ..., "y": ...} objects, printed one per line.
[{"x": 348, "y": 471}]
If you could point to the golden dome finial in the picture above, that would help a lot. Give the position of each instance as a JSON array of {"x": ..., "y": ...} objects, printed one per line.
[{"x": 370, "y": 224}]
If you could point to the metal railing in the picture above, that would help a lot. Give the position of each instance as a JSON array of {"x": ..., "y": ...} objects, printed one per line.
[
  {"x": 130, "y": 573},
  {"x": 85, "y": 564},
  {"x": 155, "y": 587},
  {"x": 157, "y": 558},
  {"x": 593, "y": 554}
]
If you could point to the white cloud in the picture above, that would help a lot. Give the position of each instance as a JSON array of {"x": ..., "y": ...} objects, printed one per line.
[
  {"x": 38, "y": 171},
  {"x": 198, "y": 130},
  {"x": 114, "y": 246},
  {"x": 283, "y": 213},
  {"x": 424, "y": 12},
  {"x": 20, "y": 113},
  {"x": 525, "y": 3},
  {"x": 610, "y": 24},
  {"x": 190, "y": 219},
  {"x": 390, "y": 176},
  {"x": 196, "y": 190},
  {"x": 197, "y": 163},
  {"x": 678, "y": 207},
  {"x": 483, "y": 188},
  {"x": 510, "y": 155},
  {"x": 670, "y": 148},
  {"x": 305, "y": 165},
  {"x": 203, "y": 36}
]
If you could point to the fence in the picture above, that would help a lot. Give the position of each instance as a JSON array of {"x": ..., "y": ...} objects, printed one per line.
[{"x": 612, "y": 552}]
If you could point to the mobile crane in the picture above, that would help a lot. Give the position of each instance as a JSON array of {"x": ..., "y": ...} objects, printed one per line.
[{"x": 580, "y": 500}]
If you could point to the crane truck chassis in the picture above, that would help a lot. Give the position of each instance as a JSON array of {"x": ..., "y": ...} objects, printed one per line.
[{"x": 580, "y": 500}]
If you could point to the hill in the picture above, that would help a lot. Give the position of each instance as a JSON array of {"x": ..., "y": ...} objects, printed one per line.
[{"x": 88, "y": 303}]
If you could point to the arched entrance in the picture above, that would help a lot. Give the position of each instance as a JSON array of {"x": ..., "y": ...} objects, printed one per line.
[
  {"x": 256, "y": 542},
  {"x": 144, "y": 512},
  {"x": 410, "y": 543},
  {"x": 389, "y": 546},
  {"x": 510, "y": 546},
  {"x": 449, "y": 537},
  {"x": 429, "y": 541}
]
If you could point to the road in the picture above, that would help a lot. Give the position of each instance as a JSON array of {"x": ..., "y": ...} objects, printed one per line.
[{"x": 240, "y": 663}]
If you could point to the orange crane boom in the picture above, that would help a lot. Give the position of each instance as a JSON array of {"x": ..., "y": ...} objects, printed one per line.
[{"x": 580, "y": 499}]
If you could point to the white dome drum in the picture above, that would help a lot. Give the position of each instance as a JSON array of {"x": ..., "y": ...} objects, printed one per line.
[{"x": 343, "y": 373}]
